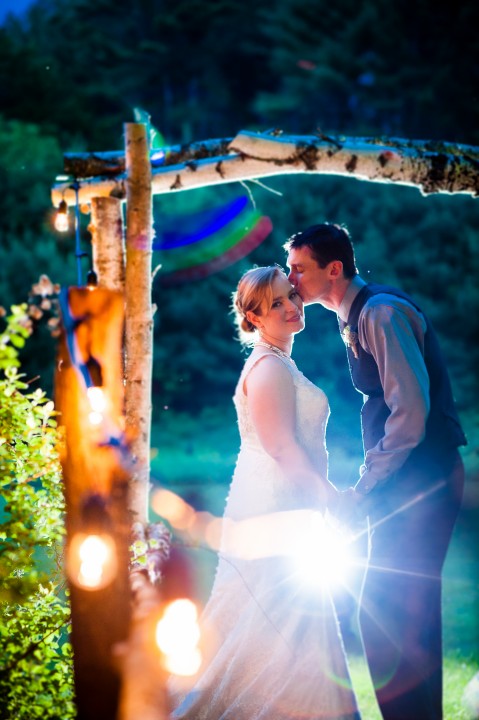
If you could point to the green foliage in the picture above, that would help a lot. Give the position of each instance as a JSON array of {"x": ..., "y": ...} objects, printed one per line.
[
  {"x": 29, "y": 160},
  {"x": 35, "y": 656}
]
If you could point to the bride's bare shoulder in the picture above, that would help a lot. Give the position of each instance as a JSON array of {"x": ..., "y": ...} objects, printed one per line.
[{"x": 264, "y": 369}]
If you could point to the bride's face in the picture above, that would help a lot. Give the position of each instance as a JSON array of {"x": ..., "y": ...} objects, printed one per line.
[{"x": 285, "y": 317}]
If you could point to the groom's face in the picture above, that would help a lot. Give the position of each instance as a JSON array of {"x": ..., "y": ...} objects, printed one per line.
[{"x": 311, "y": 281}]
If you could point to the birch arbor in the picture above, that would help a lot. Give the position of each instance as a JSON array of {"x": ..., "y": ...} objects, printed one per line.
[{"x": 430, "y": 166}]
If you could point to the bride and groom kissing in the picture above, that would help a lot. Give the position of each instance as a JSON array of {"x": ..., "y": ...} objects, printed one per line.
[{"x": 275, "y": 654}]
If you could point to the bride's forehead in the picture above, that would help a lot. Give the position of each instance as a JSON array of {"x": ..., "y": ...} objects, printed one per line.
[{"x": 280, "y": 284}]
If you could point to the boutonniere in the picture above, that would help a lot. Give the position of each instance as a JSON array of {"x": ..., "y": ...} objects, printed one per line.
[{"x": 351, "y": 340}]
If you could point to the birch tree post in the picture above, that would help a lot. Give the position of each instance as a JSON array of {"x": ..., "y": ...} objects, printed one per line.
[
  {"x": 108, "y": 251},
  {"x": 139, "y": 313}
]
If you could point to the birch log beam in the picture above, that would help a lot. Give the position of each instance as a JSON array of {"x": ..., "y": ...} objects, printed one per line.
[
  {"x": 82, "y": 165},
  {"x": 433, "y": 167},
  {"x": 139, "y": 314},
  {"x": 108, "y": 251}
]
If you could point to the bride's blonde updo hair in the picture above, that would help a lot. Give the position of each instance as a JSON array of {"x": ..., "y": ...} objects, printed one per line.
[{"x": 254, "y": 292}]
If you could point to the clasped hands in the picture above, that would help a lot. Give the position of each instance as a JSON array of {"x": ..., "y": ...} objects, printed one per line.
[{"x": 349, "y": 507}]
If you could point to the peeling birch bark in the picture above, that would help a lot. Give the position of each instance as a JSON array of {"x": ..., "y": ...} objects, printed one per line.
[
  {"x": 433, "y": 167},
  {"x": 82, "y": 165},
  {"x": 108, "y": 247},
  {"x": 139, "y": 314}
]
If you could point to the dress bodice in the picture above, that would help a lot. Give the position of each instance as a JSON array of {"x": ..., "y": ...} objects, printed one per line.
[
  {"x": 258, "y": 484},
  {"x": 312, "y": 411}
]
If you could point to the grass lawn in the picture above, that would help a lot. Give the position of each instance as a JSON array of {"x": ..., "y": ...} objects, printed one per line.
[{"x": 457, "y": 673}]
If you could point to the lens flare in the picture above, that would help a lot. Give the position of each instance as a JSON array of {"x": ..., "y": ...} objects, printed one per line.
[{"x": 209, "y": 241}]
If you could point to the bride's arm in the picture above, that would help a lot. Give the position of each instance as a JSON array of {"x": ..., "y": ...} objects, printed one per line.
[{"x": 271, "y": 399}]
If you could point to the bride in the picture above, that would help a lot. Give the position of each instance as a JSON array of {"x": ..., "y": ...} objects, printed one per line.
[{"x": 274, "y": 650}]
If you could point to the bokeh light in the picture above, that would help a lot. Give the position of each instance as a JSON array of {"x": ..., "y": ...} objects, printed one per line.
[
  {"x": 91, "y": 560},
  {"x": 178, "y": 635}
]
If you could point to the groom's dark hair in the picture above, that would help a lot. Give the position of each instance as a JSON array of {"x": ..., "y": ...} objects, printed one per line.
[{"x": 327, "y": 242}]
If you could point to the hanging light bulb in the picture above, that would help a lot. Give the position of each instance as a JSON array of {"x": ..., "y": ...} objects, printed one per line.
[
  {"x": 61, "y": 219},
  {"x": 92, "y": 560},
  {"x": 98, "y": 404},
  {"x": 91, "y": 280},
  {"x": 178, "y": 635}
]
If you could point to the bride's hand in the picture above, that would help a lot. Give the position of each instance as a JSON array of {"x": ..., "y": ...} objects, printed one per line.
[{"x": 331, "y": 496}]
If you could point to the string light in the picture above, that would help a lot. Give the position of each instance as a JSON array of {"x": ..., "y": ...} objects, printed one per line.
[
  {"x": 98, "y": 405},
  {"x": 91, "y": 559},
  {"x": 91, "y": 280},
  {"x": 62, "y": 222}
]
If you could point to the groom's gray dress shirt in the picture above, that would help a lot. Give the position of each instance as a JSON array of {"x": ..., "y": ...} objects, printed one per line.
[{"x": 392, "y": 331}]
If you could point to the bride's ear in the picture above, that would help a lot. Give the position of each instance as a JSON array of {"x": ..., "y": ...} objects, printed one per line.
[{"x": 253, "y": 319}]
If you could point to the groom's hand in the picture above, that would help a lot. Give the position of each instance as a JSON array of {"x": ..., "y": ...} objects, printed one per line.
[{"x": 351, "y": 508}]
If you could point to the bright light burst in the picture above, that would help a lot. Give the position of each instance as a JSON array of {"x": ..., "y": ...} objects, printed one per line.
[{"x": 322, "y": 552}]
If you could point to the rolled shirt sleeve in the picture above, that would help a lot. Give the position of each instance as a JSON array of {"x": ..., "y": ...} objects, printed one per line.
[{"x": 392, "y": 330}]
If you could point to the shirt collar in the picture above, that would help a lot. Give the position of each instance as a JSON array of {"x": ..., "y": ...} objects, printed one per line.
[{"x": 354, "y": 287}]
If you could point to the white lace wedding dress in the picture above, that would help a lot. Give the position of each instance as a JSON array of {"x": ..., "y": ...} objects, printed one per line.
[{"x": 274, "y": 650}]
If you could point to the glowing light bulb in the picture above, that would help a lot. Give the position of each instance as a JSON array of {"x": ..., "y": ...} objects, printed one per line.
[
  {"x": 92, "y": 560},
  {"x": 177, "y": 636},
  {"x": 97, "y": 400},
  {"x": 96, "y": 396},
  {"x": 91, "y": 280},
  {"x": 61, "y": 219}
]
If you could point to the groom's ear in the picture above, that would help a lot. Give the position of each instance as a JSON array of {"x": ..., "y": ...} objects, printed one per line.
[{"x": 335, "y": 269}]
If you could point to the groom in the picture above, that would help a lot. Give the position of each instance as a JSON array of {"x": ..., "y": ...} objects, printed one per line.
[{"x": 411, "y": 481}]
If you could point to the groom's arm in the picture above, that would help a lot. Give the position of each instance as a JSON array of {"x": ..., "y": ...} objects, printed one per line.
[{"x": 392, "y": 331}]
